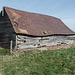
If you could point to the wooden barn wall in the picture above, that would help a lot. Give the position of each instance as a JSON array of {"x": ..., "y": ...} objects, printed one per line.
[
  {"x": 6, "y": 30},
  {"x": 37, "y": 42}
]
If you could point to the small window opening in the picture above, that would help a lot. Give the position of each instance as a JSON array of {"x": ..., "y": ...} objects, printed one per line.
[
  {"x": 15, "y": 24},
  {"x": 34, "y": 44},
  {"x": 45, "y": 32},
  {"x": 24, "y": 41}
]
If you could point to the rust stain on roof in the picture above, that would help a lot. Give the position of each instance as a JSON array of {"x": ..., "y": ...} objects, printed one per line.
[{"x": 34, "y": 24}]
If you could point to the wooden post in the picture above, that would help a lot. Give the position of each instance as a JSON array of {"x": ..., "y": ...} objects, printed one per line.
[
  {"x": 16, "y": 43},
  {"x": 11, "y": 46}
]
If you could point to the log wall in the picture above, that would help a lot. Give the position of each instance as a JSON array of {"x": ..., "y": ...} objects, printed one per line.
[
  {"x": 37, "y": 42},
  {"x": 7, "y": 32}
]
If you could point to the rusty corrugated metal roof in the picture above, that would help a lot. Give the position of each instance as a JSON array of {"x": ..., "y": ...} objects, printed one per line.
[{"x": 36, "y": 24}]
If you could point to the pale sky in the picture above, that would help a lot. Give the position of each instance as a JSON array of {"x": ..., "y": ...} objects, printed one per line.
[{"x": 63, "y": 9}]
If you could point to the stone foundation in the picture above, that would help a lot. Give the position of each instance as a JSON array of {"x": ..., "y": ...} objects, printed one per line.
[{"x": 37, "y": 42}]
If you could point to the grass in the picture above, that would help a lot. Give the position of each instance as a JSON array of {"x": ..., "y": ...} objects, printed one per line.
[
  {"x": 55, "y": 62},
  {"x": 4, "y": 51}
]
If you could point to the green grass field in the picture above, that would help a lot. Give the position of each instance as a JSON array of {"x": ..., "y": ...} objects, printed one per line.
[{"x": 55, "y": 62}]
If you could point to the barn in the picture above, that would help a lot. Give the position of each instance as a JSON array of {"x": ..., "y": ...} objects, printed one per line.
[{"x": 32, "y": 30}]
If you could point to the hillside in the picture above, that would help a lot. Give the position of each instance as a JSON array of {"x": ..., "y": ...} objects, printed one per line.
[{"x": 49, "y": 62}]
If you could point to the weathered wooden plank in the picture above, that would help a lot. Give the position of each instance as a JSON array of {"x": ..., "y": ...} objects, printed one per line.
[
  {"x": 4, "y": 22},
  {"x": 32, "y": 42},
  {"x": 26, "y": 46}
]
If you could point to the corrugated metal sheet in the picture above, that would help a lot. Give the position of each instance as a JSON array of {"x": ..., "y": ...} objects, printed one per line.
[{"x": 36, "y": 24}]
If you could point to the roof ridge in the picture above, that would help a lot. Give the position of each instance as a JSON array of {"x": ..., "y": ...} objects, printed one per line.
[{"x": 31, "y": 12}]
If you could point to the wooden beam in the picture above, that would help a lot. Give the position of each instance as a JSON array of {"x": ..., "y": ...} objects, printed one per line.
[{"x": 11, "y": 46}]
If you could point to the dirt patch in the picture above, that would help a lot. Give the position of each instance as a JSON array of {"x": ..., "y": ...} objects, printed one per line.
[{"x": 60, "y": 46}]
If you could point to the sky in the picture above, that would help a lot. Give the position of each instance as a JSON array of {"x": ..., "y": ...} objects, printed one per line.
[{"x": 63, "y": 9}]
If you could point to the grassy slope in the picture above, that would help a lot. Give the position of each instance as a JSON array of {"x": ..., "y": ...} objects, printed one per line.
[
  {"x": 55, "y": 62},
  {"x": 3, "y": 52}
]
